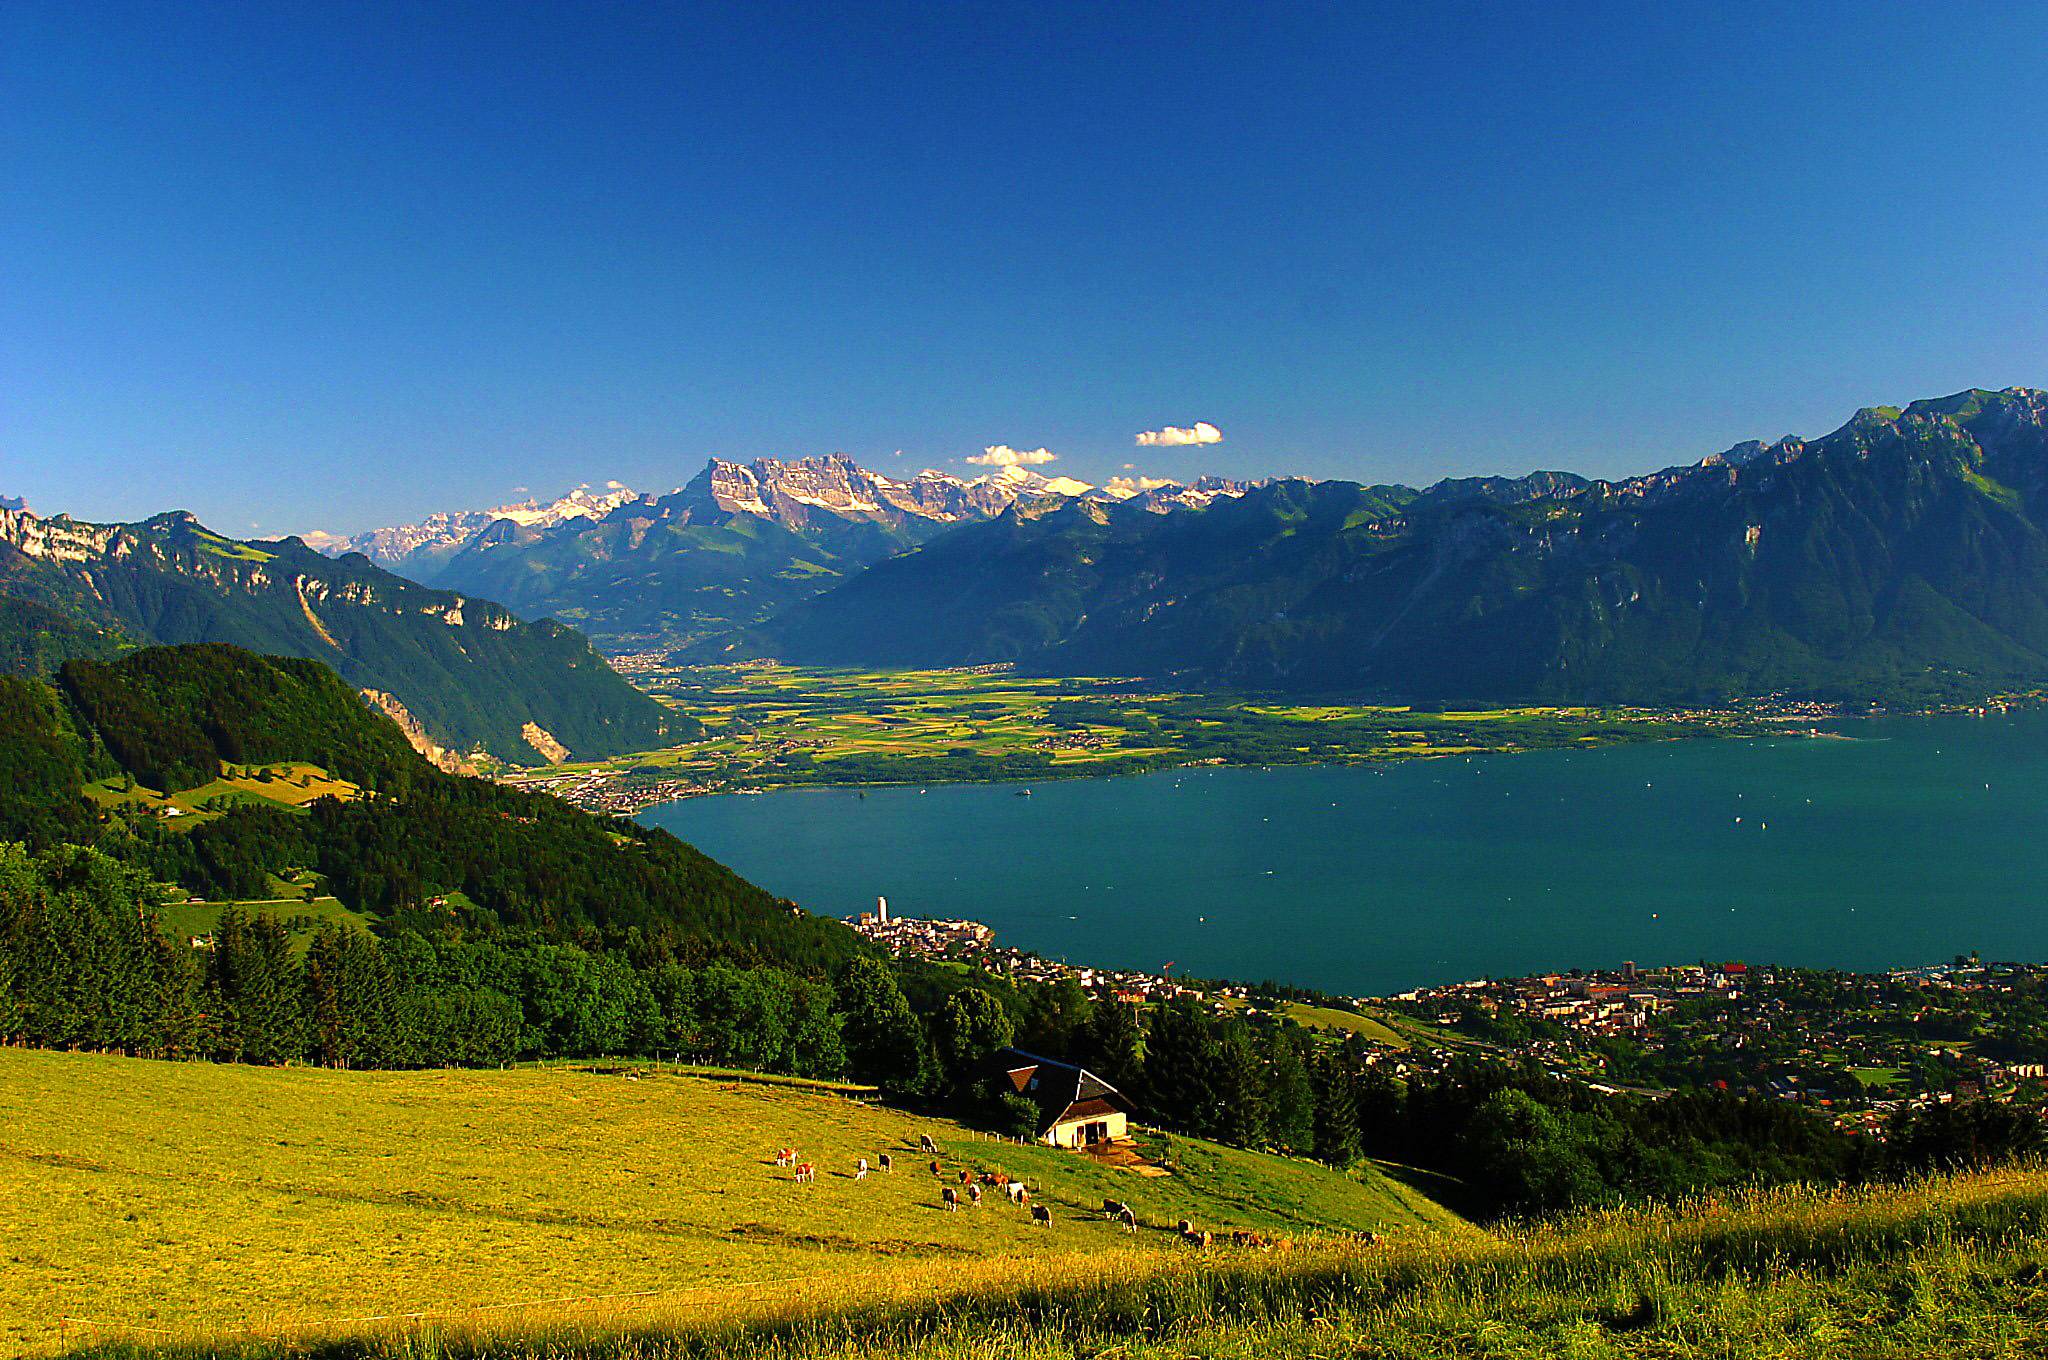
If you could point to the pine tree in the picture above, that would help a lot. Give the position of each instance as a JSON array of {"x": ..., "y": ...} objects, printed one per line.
[
  {"x": 1336, "y": 1115},
  {"x": 1290, "y": 1097}
]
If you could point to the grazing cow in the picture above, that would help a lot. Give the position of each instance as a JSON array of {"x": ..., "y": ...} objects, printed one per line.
[
  {"x": 1114, "y": 1208},
  {"x": 887, "y": 1165},
  {"x": 995, "y": 1178},
  {"x": 1367, "y": 1237},
  {"x": 1128, "y": 1219},
  {"x": 965, "y": 1175},
  {"x": 860, "y": 1169},
  {"x": 974, "y": 1193},
  {"x": 785, "y": 1156},
  {"x": 951, "y": 1198},
  {"x": 1018, "y": 1194},
  {"x": 926, "y": 1145},
  {"x": 1198, "y": 1240},
  {"x": 806, "y": 1172},
  {"x": 1184, "y": 1227},
  {"x": 935, "y": 1168},
  {"x": 1244, "y": 1237},
  {"x": 1041, "y": 1216}
]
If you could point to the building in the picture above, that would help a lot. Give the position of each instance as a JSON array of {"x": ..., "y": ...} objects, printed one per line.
[{"x": 1076, "y": 1108}]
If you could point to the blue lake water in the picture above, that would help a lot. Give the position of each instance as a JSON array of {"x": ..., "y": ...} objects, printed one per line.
[{"x": 1916, "y": 840}]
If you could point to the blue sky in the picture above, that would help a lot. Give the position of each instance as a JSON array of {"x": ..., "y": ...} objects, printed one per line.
[{"x": 300, "y": 266}]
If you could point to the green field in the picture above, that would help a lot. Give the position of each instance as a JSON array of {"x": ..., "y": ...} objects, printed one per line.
[
  {"x": 769, "y": 726},
  {"x": 195, "y": 1199},
  {"x": 287, "y": 784}
]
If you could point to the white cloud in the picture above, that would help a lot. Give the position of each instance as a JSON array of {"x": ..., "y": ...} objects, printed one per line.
[
  {"x": 1172, "y": 436},
  {"x": 1002, "y": 455},
  {"x": 615, "y": 486}
]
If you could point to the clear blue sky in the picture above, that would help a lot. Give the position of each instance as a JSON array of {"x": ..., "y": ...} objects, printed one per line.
[{"x": 331, "y": 266}]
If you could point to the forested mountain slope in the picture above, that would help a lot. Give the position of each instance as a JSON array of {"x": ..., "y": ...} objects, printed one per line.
[
  {"x": 411, "y": 843},
  {"x": 1902, "y": 556},
  {"x": 471, "y": 674}
]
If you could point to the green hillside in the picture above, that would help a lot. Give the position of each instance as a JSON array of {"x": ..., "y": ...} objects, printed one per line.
[
  {"x": 1903, "y": 556},
  {"x": 470, "y": 673},
  {"x": 87, "y": 761},
  {"x": 195, "y": 1199}
]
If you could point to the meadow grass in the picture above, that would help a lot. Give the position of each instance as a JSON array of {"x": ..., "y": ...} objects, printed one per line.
[
  {"x": 1948, "y": 1266},
  {"x": 149, "y": 1198}
]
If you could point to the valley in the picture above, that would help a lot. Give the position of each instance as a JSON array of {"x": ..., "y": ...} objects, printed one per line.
[{"x": 768, "y": 726}]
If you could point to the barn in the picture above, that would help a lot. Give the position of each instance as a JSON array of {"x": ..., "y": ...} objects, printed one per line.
[{"x": 1076, "y": 1108}]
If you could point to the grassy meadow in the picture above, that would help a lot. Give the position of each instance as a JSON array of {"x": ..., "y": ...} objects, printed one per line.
[
  {"x": 153, "y": 1200},
  {"x": 286, "y": 784}
]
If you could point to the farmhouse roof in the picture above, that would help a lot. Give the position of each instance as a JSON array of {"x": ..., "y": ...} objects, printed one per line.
[{"x": 1060, "y": 1090}]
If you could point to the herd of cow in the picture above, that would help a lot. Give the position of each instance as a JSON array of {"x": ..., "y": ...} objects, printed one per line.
[{"x": 970, "y": 1185}]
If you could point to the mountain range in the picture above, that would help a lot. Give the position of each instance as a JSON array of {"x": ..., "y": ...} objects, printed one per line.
[
  {"x": 736, "y": 545},
  {"x": 1903, "y": 555},
  {"x": 463, "y": 676}
]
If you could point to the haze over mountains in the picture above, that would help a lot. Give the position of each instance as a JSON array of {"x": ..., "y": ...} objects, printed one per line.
[{"x": 737, "y": 544}]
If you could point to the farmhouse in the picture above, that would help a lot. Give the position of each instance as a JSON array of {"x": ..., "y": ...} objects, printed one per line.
[{"x": 1076, "y": 1108}]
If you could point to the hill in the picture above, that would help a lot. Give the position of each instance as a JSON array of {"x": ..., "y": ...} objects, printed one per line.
[
  {"x": 196, "y": 1199},
  {"x": 469, "y": 674},
  {"x": 1902, "y": 556},
  {"x": 498, "y": 859}
]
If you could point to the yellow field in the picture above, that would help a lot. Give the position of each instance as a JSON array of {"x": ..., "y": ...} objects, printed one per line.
[
  {"x": 289, "y": 784},
  {"x": 202, "y": 1199}
]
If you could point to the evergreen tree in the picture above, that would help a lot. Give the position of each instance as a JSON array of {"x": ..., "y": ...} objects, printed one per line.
[
  {"x": 258, "y": 999},
  {"x": 1237, "y": 1082},
  {"x": 1336, "y": 1111},
  {"x": 1180, "y": 1069},
  {"x": 351, "y": 1000},
  {"x": 1112, "y": 1044},
  {"x": 1290, "y": 1099}
]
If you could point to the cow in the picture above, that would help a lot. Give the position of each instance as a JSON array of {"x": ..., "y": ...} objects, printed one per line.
[
  {"x": 995, "y": 1178},
  {"x": 1114, "y": 1208},
  {"x": 965, "y": 1175},
  {"x": 1041, "y": 1216},
  {"x": 806, "y": 1172},
  {"x": 1366, "y": 1237},
  {"x": 1018, "y": 1194},
  {"x": 951, "y": 1198},
  {"x": 785, "y": 1156},
  {"x": 1244, "y": 1237},
  {"x": 935, "y": 1168},
  {"x": 974, "y": 1193},
  {"x": 1198, "y": 1240},
  {"x": 887, "y": 1165},
  {"x": 860, "y": 1169},
  {"x": 926, "y": 1145},
  {"x": 1128, "y": 1219}
]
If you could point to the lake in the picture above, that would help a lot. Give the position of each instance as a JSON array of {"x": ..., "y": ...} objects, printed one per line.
[{"x": 1915, "y": 840}]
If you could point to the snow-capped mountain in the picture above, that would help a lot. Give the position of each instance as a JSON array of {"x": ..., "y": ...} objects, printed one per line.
[
  {"x": 740, "y": 541},
  {"x": 421, "y": 550}
]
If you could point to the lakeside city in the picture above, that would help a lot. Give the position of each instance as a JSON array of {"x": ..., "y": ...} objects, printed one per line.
[{"x": 1860, "y": 1047}]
